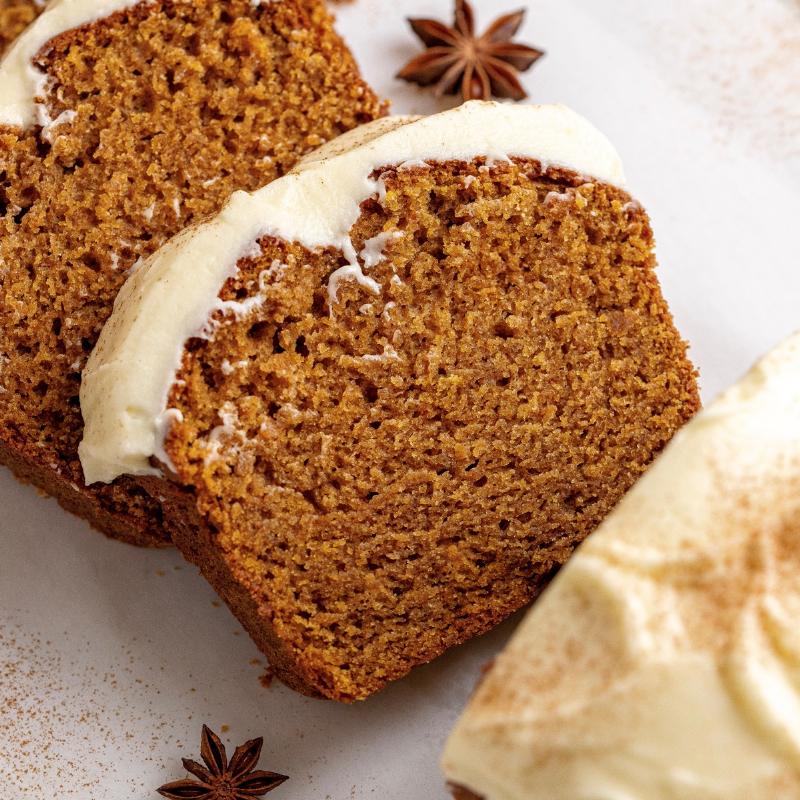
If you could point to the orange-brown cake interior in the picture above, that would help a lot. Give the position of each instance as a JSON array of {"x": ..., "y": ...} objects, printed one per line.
[
  {"x": 176, "y": 104},
  {"x": 385, "y": 478},
  {"x": 15, "y": 16}
]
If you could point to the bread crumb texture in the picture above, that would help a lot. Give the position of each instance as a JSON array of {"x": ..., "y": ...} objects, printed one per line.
[
  {"x": 385, "y": 476},
  {"x": 156, "y": 114},
  {"x": 15, "y": 16}
]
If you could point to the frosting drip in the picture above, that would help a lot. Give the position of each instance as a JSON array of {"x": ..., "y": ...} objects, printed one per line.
[{"x": 663, "y": 663}]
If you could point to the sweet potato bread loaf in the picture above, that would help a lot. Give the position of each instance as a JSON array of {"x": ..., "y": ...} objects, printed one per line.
[
  {"x": 663, "y": 660},
  {"x": 399, "y": 385},
  {"x": 120, "y": 123}
]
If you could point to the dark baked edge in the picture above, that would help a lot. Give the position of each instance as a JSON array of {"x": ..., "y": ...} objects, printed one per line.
[
  {"x": 81, "y": 501},
  {"x": 195, "y": 539},
  {"x": 460, "y": 793}
]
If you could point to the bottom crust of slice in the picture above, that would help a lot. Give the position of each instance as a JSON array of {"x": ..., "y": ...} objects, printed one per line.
[
  {"x": 196, "y": 540},
  {"x": 108, "y": 509},
  {"x": 460, "y": 793},
  {"x": 190, "y": 533}
]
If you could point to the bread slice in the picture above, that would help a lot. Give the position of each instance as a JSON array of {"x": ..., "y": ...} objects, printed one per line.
[
  {"x": 148, "y": 116},
  {"x": 15, "y": 16},
  {"x": 399, "y": 385},
  {"x": 663, "y": 660}
]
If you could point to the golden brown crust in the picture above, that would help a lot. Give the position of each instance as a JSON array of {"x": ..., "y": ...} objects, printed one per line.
[
  {"x": 177, "y": 104},
  {"x": 393, "y": 478}
]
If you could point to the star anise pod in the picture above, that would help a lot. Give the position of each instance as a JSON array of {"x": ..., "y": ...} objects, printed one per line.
[
  {"x": 221, "y": 780},
  {"x": 480, "y": 67}
]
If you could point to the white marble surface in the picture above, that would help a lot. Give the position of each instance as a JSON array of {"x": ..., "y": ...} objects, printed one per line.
[{"x": 111, "y": 658}]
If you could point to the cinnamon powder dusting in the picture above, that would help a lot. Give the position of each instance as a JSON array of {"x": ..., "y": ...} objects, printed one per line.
[
  {"x": 740, "y": 61},
  {"x": 65, "y": 722}
]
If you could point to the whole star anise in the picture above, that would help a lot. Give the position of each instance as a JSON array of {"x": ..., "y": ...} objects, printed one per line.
[
  {"x": 236, "y": 780},
  {"x": 480, "y": 67}
]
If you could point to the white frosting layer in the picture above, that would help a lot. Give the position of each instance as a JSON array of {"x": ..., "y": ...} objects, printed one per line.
[
  {"x": 20, "y": 81},
  {"x": 663, "y": 663},
  {"x": 127, "y": 380}
]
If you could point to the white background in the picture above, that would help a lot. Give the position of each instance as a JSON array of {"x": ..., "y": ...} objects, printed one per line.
[{"x": 111, "y": 657}]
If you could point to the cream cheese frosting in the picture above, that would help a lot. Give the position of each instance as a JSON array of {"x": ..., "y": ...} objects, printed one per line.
[
  {"x": 663, "y": 663},
  {"x": 21, "y": 81},
  {"x": 126, "y": 382}
]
